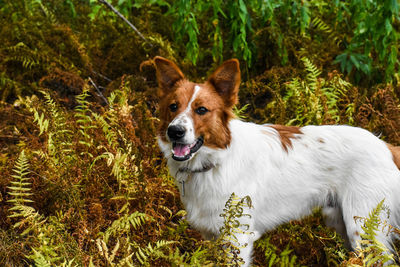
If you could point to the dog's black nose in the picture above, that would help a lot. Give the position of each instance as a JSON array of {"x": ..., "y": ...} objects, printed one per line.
[{"x": 176, "y": 132}]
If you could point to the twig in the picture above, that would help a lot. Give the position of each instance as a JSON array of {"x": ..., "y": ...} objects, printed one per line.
[
  {"x": 102, "y": 76},
  {"x": 3, "y": 137},
  {"x": 124, "y": 19},
  {"x": 98, "y": 91}
]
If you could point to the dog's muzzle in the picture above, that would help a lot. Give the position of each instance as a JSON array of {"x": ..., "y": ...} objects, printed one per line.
[{"x": 182, "y": 149}]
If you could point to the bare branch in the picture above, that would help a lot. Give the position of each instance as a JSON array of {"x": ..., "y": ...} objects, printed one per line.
[
  {"x": 98, "y": 91},
  {"x": 124, "y": 19}
]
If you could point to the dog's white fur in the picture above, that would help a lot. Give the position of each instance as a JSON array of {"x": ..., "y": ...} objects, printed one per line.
[
  {"x": 352, "y": 169},
  {"x": 346, "y": 170}
]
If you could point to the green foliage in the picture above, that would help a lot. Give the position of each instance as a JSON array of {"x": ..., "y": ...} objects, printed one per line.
[
  {"x": 272, "y": 258},
  {"x": 84, "y": 120},
  {"x": 122, "y": 243},
  {"x": 240, "y": 26},
  {"x": 20, "y": 187},
  {"x": 374, "y": 44},
  {"x": 315, "y": 99},
  {"x": 227, "y": 246},
  {"x": 240, "y": 112},
  {"x": 43, "y": 234},
  {"x": 370, "y": 250},
  {"x": 127, "y": 251},
  {"x": 185, "y": 24}
]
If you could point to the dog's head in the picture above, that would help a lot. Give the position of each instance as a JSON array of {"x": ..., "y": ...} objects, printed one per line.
[{"x": 196, "y": 115}]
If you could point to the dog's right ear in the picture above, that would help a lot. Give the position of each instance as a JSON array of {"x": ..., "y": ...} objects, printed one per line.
[{"x": 167, "y": 74}]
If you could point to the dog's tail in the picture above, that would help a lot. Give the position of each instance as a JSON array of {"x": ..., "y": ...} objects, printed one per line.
[{"x": 396, "y": 154}]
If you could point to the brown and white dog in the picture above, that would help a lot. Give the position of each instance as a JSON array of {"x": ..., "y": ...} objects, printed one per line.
[{"x": 287, "y": 171}]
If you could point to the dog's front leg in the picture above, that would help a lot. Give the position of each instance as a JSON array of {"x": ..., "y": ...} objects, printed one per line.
[{"x": 245, "y": 242}]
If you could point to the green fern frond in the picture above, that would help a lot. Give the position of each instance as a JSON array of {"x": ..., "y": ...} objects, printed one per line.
[
  {"x": 108, "y": 130},
  {"x": 20, "y": 188},
  {"x": 227, "y": 242},
  {"x": 133, "y": 253},
  {"x": 39, "y": 259},
  {"x": 124, "y": 224},
  {"x": 372, "y": 223},
  {"x": 312, "y": 73},
  {"x": 314, "y": 99},
  {"x": 370, "y": 250},
  {"x": 84, "y": 120},
  {"x": 60, "y": 134},
  {"x": 29, "y": 58},
  {"x": 321, "y": 26},
  {"x": 240, "y": 112},
  {"x": 9, "y": 86},
  {"x": 272, "y": 257},
  {"x": 143, "y": 255},
  {"x": 42, "y": 122}
]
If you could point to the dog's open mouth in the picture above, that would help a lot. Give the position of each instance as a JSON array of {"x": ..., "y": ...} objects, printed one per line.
[{"x": 182, "y": 152}]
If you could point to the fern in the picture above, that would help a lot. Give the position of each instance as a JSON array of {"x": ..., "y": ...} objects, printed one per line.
[
  {"x": 312, "y": 74},
  {"x": 38, "y": 115},
  {"x": 23, "y": 54},
  {"x": 152, "y": 251},
  {"x": 9, "y": 86},
  {"x": 370, "y": 250},
  {"x": 124, "y": 224},
  {"x": 323, "y": 27},
  {"x": 315, "y": 99},
  {"x": 283, "y": 259},
  {"x": 109, "y": 121},
  {"x": 84, "y": 120},
  {"x": 60, "y": 135},
  {"x": 227, "y": 242},
  {"x": 132, "y": 252},
  {"x": 20, "y": 189},
  {"x": 240, "y": 112},
  {"x": 38, "y": 230},
  {"x": 108, "y": 130}
]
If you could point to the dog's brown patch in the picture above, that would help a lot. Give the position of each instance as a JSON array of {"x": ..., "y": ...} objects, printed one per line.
[
  {"x": 396, "y": 154},
  {"x": 218, "y": 95},
  {"x": 286, "y": 134},
  {"x": 180, "y": 95},
  {"x": 213, "y": 125}
]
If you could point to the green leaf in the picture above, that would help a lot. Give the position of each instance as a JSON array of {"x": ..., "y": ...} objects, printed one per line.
[{"x": 388, "y": 27}]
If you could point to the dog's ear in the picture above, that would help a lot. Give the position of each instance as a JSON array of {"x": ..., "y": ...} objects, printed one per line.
[
  {"x": 226, "y": 80},
  {"x": 167, "y": 74}
]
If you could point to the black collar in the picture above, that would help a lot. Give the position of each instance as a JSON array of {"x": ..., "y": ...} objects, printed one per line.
[{"x": 205, "y": 168}]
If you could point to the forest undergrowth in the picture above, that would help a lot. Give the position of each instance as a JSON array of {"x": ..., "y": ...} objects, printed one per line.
[{"x": 82, "y": 182}]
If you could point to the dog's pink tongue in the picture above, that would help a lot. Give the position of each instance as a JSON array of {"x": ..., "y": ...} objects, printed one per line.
[{"x": 181, "y": 150}]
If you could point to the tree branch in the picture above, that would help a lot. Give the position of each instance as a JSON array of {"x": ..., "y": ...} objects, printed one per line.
[{"x": 124, "y": 19}]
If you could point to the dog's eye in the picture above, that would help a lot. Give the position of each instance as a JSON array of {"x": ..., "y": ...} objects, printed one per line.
[
  {"x": 173, "y": 107},
  {"x": 201, "y": 110}
]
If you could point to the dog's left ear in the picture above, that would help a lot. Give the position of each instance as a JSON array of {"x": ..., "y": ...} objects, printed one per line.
[{"x": 226, "y": 80}]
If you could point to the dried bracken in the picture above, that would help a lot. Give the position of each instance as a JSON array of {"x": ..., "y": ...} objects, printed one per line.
[{"x": 77, "y": 119}]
